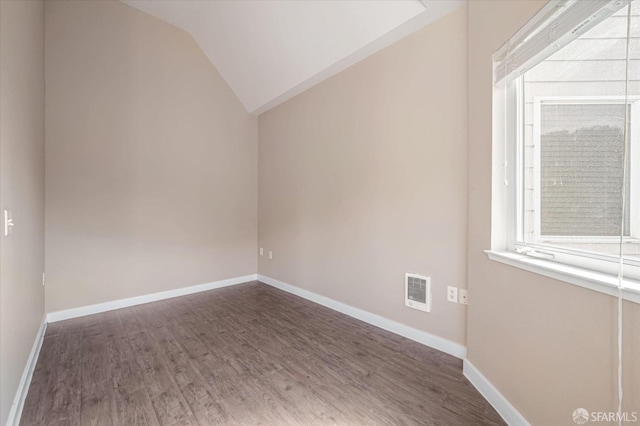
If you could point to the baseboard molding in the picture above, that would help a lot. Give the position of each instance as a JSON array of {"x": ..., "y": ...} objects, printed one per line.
[
  {"x": 139, "y": 300},
  {"x": 428, "y": 339},
  {"x": 23, "y": 387},
  {"x": 493, "y": 395}
]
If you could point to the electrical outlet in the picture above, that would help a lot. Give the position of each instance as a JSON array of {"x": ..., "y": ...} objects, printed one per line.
[
  {"x": 452, "y": 294},
  {"x": 8, "y": 223},
  {"x": 270, "y": 254},
  {"x": 261, "y": 251},
  {"x": 464, "y": 297}
]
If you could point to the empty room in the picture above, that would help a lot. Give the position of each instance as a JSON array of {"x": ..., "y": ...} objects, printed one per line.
[{"x": 319, "y": 212}]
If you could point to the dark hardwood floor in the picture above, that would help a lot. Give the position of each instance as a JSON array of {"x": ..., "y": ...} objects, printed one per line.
[{"x": 247, "y": 354}]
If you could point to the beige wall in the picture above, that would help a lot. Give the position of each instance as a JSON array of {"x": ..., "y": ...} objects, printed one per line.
[
  {"x": 21, "y": 188},
  {"x": 152, "y": 174},
  {"x": 548, "y": 346},
  {"x": 363, "y": 178},
  {"x": 151, "y": 161}
]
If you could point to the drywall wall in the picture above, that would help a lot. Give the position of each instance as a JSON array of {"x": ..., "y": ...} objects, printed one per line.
[
  {"x": 549, "y": 347},
  {"x": 151, "y": 161},
  {"x": 363, "y": 178},
  {"x": 21, "y": 188}
]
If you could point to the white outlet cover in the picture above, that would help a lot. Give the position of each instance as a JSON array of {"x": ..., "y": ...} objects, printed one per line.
[{"x": 452, "y": 294}]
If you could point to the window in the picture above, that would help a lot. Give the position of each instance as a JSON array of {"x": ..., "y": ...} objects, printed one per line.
[
  {"x": 573, "y": 197},
  {"x": 567, "y": 138}
]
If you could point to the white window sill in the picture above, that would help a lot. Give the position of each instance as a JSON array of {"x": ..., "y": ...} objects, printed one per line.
[{"x": 596, "y": 281}]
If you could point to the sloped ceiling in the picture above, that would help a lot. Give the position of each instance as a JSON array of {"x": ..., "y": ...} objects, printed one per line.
[{"x": 270, "y": 50}]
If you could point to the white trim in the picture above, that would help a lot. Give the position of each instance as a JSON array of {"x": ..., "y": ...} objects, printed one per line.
[
  {"x": 139, "y": 300},
  {"x": 23, "y": 387},
  {"x": 597, "y": 281},
  {"x": 428, "y": 339},
  {"x": 537, "y": 174},
  {"x": 634, "y": 173},
  {"x": 493, "y": 395}
]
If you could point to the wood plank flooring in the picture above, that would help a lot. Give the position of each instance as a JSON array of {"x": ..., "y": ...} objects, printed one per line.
[{"x": 248, "y": 354}]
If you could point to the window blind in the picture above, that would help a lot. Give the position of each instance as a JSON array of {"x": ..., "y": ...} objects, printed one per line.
[{"x": 557, "y": 24}]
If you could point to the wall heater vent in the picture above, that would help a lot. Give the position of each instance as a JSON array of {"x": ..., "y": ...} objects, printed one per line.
[{"x": 417, "y": 292}]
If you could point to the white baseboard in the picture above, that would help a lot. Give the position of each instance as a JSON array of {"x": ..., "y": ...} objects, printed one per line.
[
  {"x": 139, "y": 300},
  {"x": 428, "y": 339},
  {"x": 493, "y": 395},
  {"x": 23, "y": 387}
]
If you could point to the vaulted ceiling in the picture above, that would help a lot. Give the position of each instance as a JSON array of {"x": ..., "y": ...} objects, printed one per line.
[{"x": 270, "y": 50}]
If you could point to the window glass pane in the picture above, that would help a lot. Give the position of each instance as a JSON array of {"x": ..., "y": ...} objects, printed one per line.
[{"x": 581, "y": 156}]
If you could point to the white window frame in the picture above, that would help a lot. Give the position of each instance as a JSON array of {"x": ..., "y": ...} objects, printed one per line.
[
  {"x": 634, "y": 156},
  {"x": 556, "y": 25},
  {"x": 595, "y": 271}
]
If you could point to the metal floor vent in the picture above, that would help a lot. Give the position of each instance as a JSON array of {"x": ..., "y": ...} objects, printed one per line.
[{"x": 417, "y": 292}]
